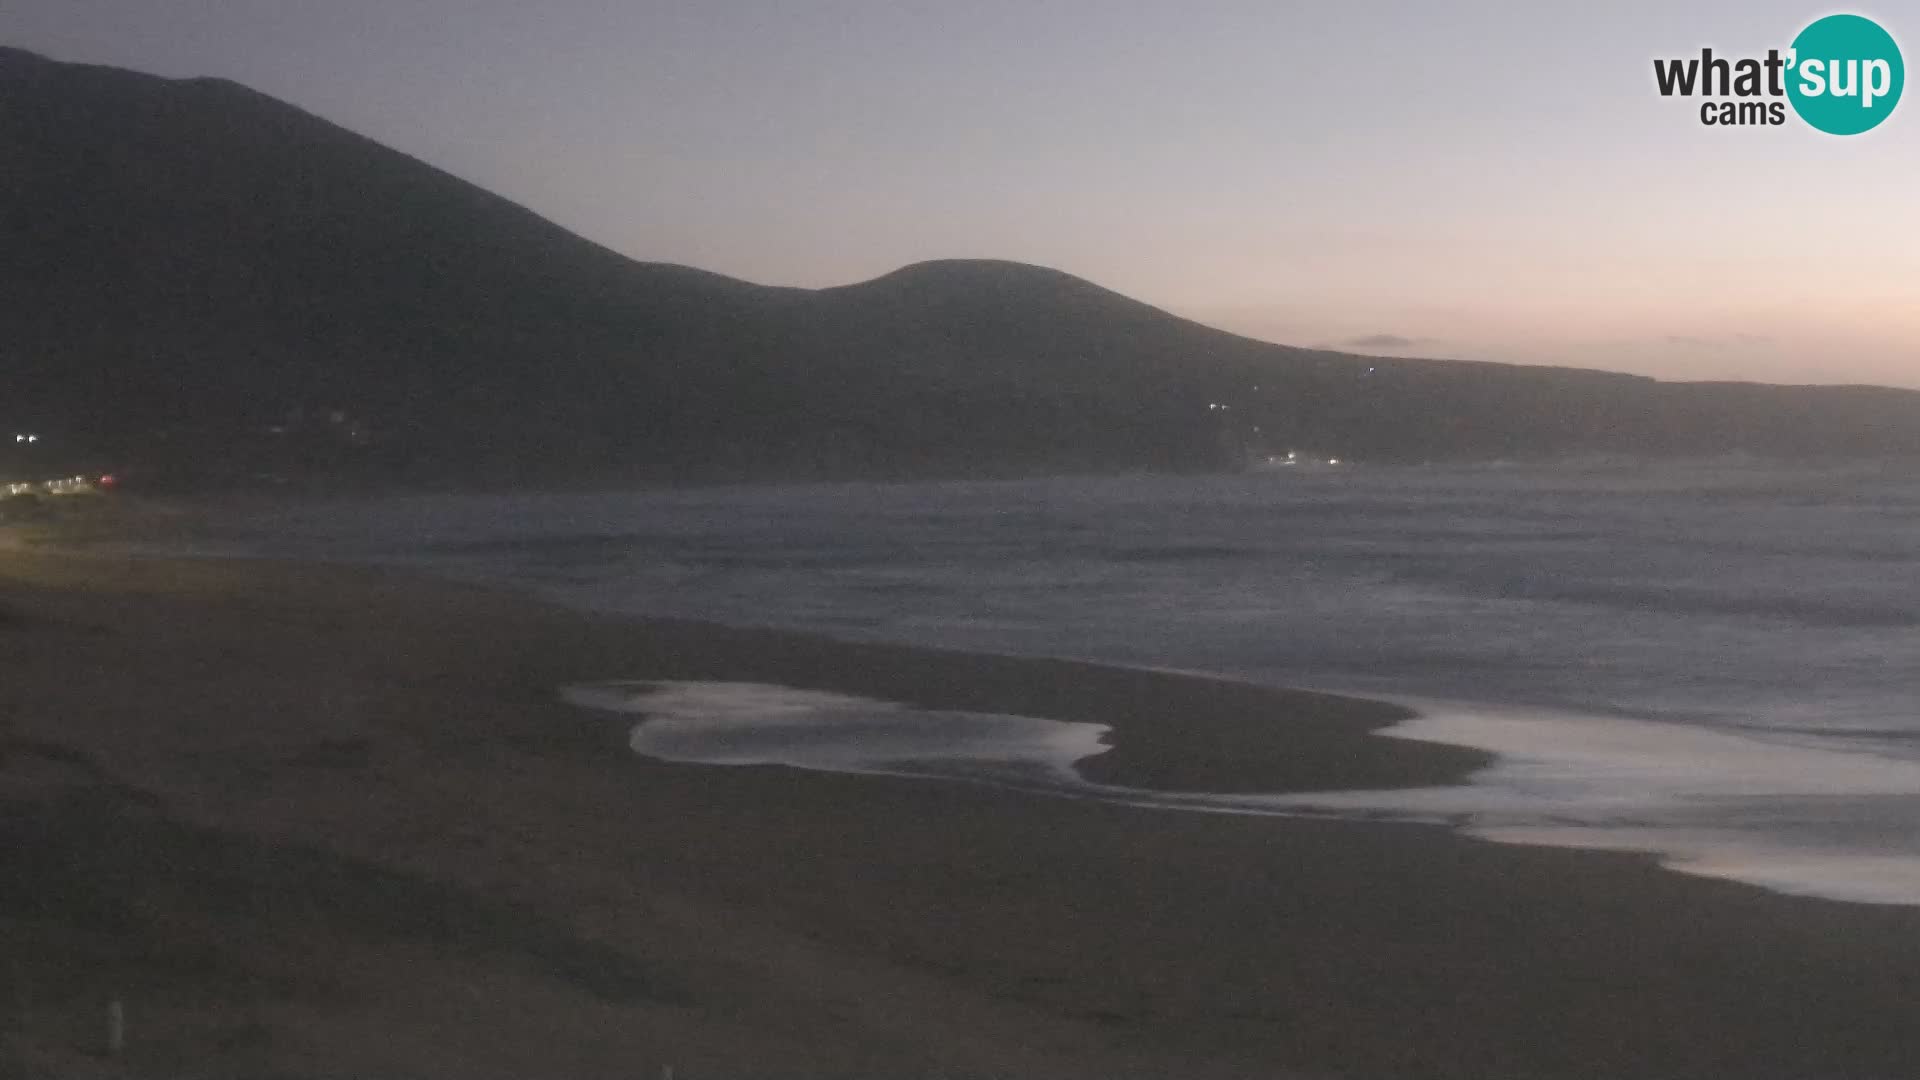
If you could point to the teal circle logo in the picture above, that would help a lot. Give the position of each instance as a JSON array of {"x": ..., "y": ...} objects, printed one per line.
[{"x": 1845, "y": 75}]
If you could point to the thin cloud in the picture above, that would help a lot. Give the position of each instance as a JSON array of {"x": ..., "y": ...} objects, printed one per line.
[{"x": 1385, "y": 341}]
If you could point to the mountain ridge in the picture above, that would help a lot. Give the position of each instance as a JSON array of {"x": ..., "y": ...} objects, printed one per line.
[{"x": 200, "y": 270}]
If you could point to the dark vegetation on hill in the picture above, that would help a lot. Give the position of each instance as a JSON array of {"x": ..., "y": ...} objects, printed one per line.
[{"x": 197, "y": 280}]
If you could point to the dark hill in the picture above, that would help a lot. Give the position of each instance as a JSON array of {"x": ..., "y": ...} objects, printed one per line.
[
  {"x": 195, "y": 257},
  {"x": 200, "y": 278}
]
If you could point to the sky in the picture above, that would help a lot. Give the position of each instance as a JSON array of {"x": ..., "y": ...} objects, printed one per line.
[{"x": 1494, "y": 180}]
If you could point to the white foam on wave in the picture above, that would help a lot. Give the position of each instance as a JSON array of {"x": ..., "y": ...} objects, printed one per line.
[
  {"x": 1790, "y": 818},
  {"x": 1794, "y": 818}
]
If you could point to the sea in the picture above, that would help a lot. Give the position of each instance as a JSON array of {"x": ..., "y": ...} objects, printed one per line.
[{"x": 1714, "y": 662}]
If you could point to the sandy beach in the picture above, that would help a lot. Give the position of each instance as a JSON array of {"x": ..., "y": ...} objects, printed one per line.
[{"x": 311, "y": 821}]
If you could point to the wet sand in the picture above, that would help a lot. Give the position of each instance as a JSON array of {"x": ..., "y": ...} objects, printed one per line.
[{"x": 310, "y": 821}]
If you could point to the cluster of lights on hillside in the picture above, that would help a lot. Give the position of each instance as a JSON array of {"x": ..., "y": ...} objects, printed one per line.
[
  {"x": 1295, "y": 459},
  {"x": 66, "y": 485},
  {"x": 1292, "y": 458},
  {"x": 63, "y": 485}
]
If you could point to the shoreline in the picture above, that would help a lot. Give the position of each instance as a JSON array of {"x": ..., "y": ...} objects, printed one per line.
[
  {"x": 1491, "y": 788},
  {"x": 1422, "y": 746},
  {"x": 1174, "y": 754},
  {"x": 358, "y": 794},
  {"x": 1762, "y": 841},
  {"x": 1538, "y": 791}
]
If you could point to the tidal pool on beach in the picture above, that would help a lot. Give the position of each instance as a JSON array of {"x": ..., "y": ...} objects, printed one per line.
[
  {"x": 731, "y": 723},
  {"x": 1807, "y": 820}
]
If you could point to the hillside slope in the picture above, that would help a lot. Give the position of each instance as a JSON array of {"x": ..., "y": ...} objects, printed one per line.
[{"x": 201, "y": 279}]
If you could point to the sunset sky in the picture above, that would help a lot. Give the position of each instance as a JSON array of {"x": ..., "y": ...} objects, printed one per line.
[{"x": 1493, "y": 180}]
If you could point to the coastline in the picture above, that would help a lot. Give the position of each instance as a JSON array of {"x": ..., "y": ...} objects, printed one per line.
[{"x": 404, "y": 734}]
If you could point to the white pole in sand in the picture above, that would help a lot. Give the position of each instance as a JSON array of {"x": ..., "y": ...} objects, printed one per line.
[{"x": 116, "y": 1028}]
